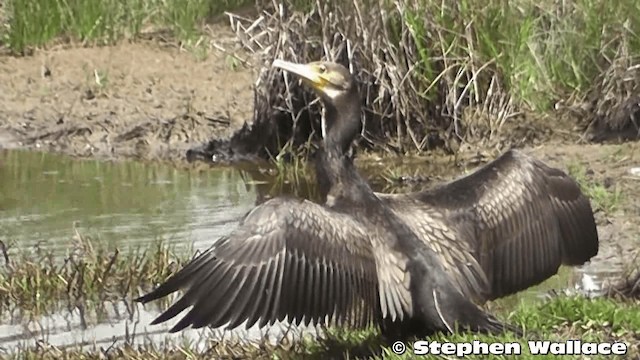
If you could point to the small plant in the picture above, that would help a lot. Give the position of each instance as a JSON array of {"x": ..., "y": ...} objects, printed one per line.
[
  {"x": 232, "y": 62},
  {"x": 293, "y": 172},
  {"x": 604, "y": 198},
  {"x": 101, "y": 78}
]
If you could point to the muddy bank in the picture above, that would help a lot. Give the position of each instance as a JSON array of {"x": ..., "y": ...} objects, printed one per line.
[{"x": 145, "y": 100}]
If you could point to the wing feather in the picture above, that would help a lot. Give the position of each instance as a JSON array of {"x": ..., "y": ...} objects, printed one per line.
[
  {"x": 237, "y": 313},
  {"x": 290, "y": 259}
]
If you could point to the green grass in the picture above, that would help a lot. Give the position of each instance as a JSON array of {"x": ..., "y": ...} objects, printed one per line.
[
  {"x": 33, "y": 23},
  {"x": 540, "y": 50},
  {"x": 437, "y": 73},
  {"x": 558, "y": 319},
  {"x": 603, "y": 198}
]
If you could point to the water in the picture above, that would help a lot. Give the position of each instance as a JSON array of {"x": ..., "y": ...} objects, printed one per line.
[
  {"x": 126, "y": 204},
  {"x": 130, "y": 204}
]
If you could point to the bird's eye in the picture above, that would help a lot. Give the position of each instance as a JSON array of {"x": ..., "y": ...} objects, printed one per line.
[{"x": 322, "y": 69}]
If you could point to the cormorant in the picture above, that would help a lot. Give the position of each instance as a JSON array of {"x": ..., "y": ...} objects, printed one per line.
[{"x": 413, "y": 263}]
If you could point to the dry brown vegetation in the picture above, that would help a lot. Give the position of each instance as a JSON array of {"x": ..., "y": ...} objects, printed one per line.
[{"x": 440, "y": 73}]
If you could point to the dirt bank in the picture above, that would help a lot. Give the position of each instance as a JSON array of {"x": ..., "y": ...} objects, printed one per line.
[{"x": 146, "y": 100}]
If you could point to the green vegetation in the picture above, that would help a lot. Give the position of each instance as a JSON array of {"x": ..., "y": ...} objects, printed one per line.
[
  {"x": 39, "y": 22},
  {"x": 181, "y": 351},
  {"x": 437, "y": 72},
  {"x": 463, "y": 70},
  {"x": 603, "y": 198},
  {"x": 223, "y": 350},
  {"x": 559, "y": 319},
  {"x": 36, "y": 282},
  {"x": 288, "y": 172}
]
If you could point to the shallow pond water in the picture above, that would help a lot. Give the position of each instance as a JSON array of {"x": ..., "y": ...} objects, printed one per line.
[
  {"x": 130, "y": 204},
  {"x": 43, "y": 196}
]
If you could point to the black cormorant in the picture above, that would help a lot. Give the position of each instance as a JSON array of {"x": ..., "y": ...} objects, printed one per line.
[{"x": 412, "y": 263}]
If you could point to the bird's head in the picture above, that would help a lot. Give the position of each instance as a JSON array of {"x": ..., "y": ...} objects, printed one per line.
[
  {"x": 330, "y": 80},
  {"x": 336, "y": 87}
]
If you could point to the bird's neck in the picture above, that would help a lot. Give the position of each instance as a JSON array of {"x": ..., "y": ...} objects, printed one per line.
[
  {"x": 343, "y": 124},
  {"x": 337, "y": 176}
]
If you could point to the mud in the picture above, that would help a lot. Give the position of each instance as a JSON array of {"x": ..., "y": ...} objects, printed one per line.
[{"x": 148, "y": 100}]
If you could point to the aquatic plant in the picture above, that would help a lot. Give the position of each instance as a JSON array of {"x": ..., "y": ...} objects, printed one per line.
[{"x": 34, "y": 281}]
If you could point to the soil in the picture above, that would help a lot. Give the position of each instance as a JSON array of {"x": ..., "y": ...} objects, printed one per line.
[{"x": 146, "y": 100}]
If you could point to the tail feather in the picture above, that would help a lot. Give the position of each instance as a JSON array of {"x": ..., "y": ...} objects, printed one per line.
[
  {"x": 467, "y": 316},
  {"x": 493, "y": 326},
  {"x": 460, "y": 313}
]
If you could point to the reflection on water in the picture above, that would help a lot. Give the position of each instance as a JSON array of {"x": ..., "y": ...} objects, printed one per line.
[
  {"x": 133, "y": 204},
  {"x": 126, "y": 323},
  {"x": 125, "y": 203}
]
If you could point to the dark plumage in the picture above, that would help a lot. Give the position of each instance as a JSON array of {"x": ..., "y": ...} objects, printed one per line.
[{"x": 412, "y": 263}]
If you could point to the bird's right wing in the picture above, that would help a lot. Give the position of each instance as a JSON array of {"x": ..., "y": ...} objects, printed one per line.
[
  {"x": 289, "y": 259},
  {"x": 527, "y": 220}
]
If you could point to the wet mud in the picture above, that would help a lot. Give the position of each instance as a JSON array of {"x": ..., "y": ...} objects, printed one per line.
[{"x": 146, "y": 100}]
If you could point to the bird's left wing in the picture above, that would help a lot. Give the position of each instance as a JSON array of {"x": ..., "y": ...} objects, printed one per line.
[{"x": 290, "y": 259}]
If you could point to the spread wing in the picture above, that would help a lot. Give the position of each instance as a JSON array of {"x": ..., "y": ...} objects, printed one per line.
[
  {"x": 525, "y": 219},
  {"x": 290, "y": 259}
]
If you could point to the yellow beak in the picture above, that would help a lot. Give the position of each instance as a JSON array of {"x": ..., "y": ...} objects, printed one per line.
[{"x": 306, "y": 71}]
